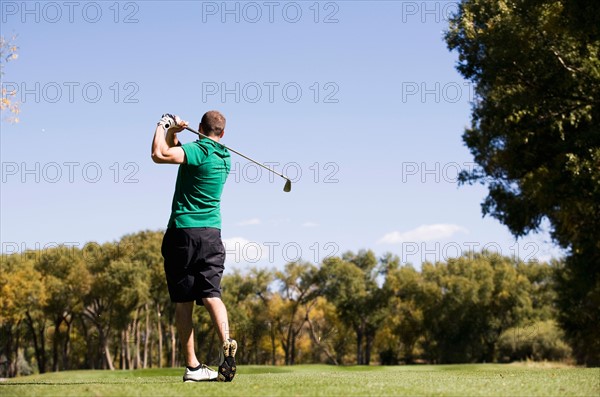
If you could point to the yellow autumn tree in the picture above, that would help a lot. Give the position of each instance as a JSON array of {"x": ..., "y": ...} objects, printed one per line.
[{"x": 8, "y": 103}]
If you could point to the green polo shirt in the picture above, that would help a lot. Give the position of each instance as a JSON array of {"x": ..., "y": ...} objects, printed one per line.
[{"x": 197, "y": 198}]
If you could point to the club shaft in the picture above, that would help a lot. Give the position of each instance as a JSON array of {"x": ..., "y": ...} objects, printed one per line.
[{"x": 238, "y": 153}]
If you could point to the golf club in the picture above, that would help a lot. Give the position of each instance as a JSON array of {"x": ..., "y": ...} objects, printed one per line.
[{"x": 288, "y": 182}]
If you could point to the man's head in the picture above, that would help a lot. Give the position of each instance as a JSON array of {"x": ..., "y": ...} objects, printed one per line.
[{"x": 212, "y": 124}]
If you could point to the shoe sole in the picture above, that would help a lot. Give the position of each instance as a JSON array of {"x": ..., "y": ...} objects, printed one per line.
[{"x": 228, "y": 368}]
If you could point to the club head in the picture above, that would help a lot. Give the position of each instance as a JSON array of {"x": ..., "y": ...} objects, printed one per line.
[{"x": 288, "y": 186}]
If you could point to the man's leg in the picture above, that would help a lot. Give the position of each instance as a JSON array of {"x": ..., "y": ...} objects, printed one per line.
[
  {"x": 183, "y": 320},
  {"x": 218, "y": 314}
]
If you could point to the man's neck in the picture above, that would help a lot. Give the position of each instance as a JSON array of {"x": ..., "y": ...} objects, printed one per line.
[{"x": 213, "y": 138}]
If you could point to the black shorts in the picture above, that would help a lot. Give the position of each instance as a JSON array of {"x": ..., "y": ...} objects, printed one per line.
[{"x": 194, "y": 263}]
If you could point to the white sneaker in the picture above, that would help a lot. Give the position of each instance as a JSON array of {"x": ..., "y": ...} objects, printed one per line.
[{"x": 200, "y": 374}]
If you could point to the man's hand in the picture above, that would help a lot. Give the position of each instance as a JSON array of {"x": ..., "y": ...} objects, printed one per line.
[
  {"x": 167, "y": 121},
  {"x": 179, "y": 125},
  {"x": 166, "y": 147},
  {"x": 172, "y": 122}
]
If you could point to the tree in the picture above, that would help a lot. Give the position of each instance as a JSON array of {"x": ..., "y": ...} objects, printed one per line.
[
  {"x": 535, "y": 134},
  {"x": 405, "y": 321},
  {"x": 66, "y": 281},
  {"x": 22, "y": 296},
  {"x": 297, "y": 287},
  {"x": 468, "y": 302},
  {"x": 119, "y": 286},
  {"x": 542, "y": 287},
  {"x": 350, "y": 283},
  {"x": 8, "y": 52},
  {"x": 578, "y": 298},
  {"x": 145, "y": 247},
  {"x": 324, "y": 329}
]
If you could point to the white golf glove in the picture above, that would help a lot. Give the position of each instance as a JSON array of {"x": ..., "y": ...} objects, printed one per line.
[{"x": 167, "y": 121}]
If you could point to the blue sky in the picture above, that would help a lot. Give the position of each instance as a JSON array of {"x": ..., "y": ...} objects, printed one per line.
[{"x": 357, "y": 101}]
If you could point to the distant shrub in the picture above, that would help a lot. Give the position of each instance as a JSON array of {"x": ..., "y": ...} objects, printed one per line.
[{"x": 539, "y": 341}]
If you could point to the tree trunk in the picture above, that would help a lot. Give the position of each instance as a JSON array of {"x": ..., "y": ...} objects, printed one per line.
[
  {"x": 91, "y": 357},
  {"x": 128, "y": 360},
  {"x": 321, "y": 345},
  {"x": 108, "y": 361},
  {"x": 38, "y": 344},
  {"x": 146, "y": 337},
  {"x": 286, "y": 347},
  {"x": 67, "y": 345},
  {"x": 44, "y": 361},
  {"x": 173, "y": 344},
  {"x": 8, "y": 348},
  {"x": 138, "y": 358},
  {"x": 151, "y": 353},
  {"x": 370, "y": 337},
  {"x": 160, "y": 337},
  {"x": 55, "y": 343},
  {"x": 293, "y": 349},
  {"x": 272, "y": 343},
  {"x": 122, "y": 360},
  {"x": 15, "y": 367},
  {"x": 116, "y": 352},
  {"x": 295, "y": 333},
  {"x": 359, "y": 339}
]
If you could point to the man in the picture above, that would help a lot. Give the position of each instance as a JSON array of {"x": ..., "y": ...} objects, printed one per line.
[{"x": 193, "y": 252}]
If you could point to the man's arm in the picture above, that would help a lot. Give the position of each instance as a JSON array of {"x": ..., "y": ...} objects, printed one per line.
[
  {"x": 168, "y": 149},
  {"x": 171, "y": 138}
]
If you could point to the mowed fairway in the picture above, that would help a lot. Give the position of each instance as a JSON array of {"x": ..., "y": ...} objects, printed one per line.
[{"x": 321, "y": 380}]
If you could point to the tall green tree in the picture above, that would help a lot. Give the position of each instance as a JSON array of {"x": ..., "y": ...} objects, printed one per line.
[
  {"x": 326, "y": 330},
  {"x": 119, "y": 286},
  {"x": 66, "y": 281},
  {"x": 350, "y": 283},
  {"x": 542, "y": 287},
  {"x": 22, "y": 297},
  {"x": 404, "y": 286},
  {"x": 468, "y": 302},
  {"x": 535, "y": 134},
  {"x": 145, "y": 248},
  {"x": 297, "y": 285}
]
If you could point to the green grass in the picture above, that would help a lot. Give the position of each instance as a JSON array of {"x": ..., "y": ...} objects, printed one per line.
[{"x": 321, "y": 380}]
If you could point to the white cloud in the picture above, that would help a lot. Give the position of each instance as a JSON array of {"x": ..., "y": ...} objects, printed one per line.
[
  {"x": 247, "y": 222},
  {"x": 437, "y": 231},
  {"x": 310, "y": 224}
]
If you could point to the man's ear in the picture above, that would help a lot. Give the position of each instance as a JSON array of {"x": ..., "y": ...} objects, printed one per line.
[
  {"x": 200, "y": 129},
  {"x": 222, "y": 133}
]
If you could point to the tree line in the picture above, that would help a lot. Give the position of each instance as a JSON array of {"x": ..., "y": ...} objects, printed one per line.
[{"x": 107, "y": 307}]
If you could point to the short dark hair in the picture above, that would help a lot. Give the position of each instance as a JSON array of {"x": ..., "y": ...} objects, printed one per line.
[{"x": 213, "y": 123}]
